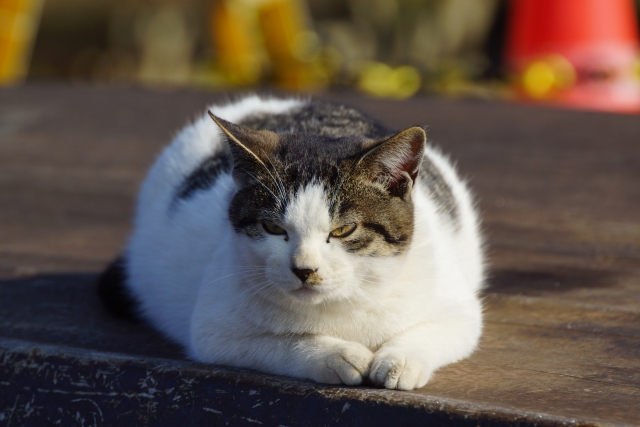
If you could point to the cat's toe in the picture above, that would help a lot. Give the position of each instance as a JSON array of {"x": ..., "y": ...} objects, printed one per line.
[
  {"x": 350, "y": 363},
  {"x": 397, "y": 371}
]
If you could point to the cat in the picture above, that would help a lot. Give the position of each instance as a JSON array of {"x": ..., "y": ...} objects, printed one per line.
[{"x": 302, "y": 238}]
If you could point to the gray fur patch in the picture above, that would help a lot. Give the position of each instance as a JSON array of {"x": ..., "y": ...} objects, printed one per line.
[
  {"x": 320, "y": 143},
  {"x": 320, "y": 118},
  {"x": 315, "y": 142},
  {"x": 439, "y": 189},
  {"x": 385, "y": 223},
  {"x": 327, "y": 121}
]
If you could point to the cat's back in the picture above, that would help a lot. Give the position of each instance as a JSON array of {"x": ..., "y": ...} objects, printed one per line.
[
  {"x": 319, "y": 118},
  {"x": 198, "y": 154}
]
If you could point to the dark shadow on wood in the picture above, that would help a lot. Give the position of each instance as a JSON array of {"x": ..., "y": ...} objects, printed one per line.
[{"x": 64, "y": 309}]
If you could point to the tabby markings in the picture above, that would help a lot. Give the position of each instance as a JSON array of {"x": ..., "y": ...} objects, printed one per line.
[
  {"x": 203, "y": 177},
  {"x": 439, "y": 190},
  {"x": 381, "y": 230}
]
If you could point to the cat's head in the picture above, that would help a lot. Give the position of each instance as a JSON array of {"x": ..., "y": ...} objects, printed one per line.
[{"x": 327, "y": 218}]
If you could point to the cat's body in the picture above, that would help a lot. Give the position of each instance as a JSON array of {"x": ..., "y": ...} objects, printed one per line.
[{"x": 324, "y": 255}]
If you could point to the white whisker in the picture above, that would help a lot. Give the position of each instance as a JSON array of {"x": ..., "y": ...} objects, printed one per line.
[
  {"x": 278, "y": 182},
  {"x": 233, "y": 274},
  {"x": 266, "y": 188}
]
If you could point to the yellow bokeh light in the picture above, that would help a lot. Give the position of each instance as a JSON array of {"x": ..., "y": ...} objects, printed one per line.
[
  {"x": 544, "y": 77},
  {"x": 406, "y": 81},
  {"x": 381, "y": 80},
  {"x": 539, "y": 79}
]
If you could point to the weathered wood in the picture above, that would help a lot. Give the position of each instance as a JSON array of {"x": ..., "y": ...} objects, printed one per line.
[
  {"x": 69, "y": 387},
  {"x": 560, "y": 196},
  {"x": 63, "y": 310},
  {"x": 559, "y": 313}
]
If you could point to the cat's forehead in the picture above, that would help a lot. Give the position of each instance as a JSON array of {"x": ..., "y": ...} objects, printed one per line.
[
  {"x": 308, "y": 211},
  {"x": 302, "y": 159},
  {"x": 294, "y": 147}
]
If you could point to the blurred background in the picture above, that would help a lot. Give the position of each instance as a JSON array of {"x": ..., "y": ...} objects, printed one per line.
[{"x": 579, "y": 53}]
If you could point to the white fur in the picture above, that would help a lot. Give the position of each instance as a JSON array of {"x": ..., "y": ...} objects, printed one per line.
[{"x": 232, "y": 300}]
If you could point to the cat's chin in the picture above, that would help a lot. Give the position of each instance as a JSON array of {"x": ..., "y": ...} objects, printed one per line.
[{"x": 308, "y": 295}]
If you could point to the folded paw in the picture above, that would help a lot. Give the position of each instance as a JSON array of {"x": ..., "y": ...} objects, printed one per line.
[
  {"x": 347, "y": 363},
  {"x": 393, "y": 369}
]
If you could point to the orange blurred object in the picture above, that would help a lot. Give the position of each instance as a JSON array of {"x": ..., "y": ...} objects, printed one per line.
[
  {"x": 18, "y": 26},
  {"x": 291, "y": 45},
  {"x": 580, "y": 53},
  {"x": 255, "y": 38},
  {"x": 235, "y": 46}
]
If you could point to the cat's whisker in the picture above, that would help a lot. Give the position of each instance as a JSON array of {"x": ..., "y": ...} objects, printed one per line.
[
  {"x": 258, "y": 288},
  {"x": 243, "y": 275},
  {"x": 368, "y": 293},
  {"x": 267, "y": 285},
  {"x": 369, "y": 282},
  {"x": 280, "y": 201},
  {"x": 233, "y": 274},
  {"x": 282, "y": 195},
  {"x": 367, "y": 278},
  {"x": 244, "y": 268},
  {"x": 278, "y": 182},
  {"x": 252, "y": 285}
]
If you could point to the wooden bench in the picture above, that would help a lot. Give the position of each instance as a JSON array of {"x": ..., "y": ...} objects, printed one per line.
[{"x": 559, "y": 192}]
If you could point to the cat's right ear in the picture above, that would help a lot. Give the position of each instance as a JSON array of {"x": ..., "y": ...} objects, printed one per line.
[{"x": 249, "y": 149}]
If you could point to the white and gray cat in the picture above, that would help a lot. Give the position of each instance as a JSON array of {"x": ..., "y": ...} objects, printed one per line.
[{"x": 302, "y": 238}]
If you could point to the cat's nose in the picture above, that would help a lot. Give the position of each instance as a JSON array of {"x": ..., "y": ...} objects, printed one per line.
[{"x": 303, "y": 273}]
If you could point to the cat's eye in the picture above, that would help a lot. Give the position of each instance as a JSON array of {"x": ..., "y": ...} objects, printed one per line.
[
  {"x": 343, "y": 231},
  {"x": 273, "y": 229}
]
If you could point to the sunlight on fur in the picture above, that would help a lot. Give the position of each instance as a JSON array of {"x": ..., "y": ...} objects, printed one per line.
[{"x": 306, "y": 239}]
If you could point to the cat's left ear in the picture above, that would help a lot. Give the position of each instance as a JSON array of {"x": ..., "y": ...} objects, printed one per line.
[
  {"x": 395, "y": 161},
  {"x": 249, "y": 148}
]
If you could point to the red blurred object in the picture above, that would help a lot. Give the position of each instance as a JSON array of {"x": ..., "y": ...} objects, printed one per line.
[{"x": 599, "y": 38}]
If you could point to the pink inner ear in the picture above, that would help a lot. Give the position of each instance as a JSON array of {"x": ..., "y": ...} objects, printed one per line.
[
  {"x": 399, "y": 177},
  {"x": 411, "y": 165}
]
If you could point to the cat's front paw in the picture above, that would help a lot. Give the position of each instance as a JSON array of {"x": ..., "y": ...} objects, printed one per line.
[
  {"x": 347, "y": 363},
  {"x": 396, "y": 370}
]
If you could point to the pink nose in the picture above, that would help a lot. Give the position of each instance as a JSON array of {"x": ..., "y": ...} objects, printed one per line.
[{"x": 303, "y": 273}]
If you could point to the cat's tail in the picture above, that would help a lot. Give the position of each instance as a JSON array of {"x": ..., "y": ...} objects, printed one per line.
[{"x": 114, "y": 293}]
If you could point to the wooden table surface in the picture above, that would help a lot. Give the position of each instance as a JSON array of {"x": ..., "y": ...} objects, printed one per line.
[{"x": 559, "y": 193}]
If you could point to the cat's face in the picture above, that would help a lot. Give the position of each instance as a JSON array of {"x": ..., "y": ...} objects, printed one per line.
[{"x": 327, "y": 219}]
